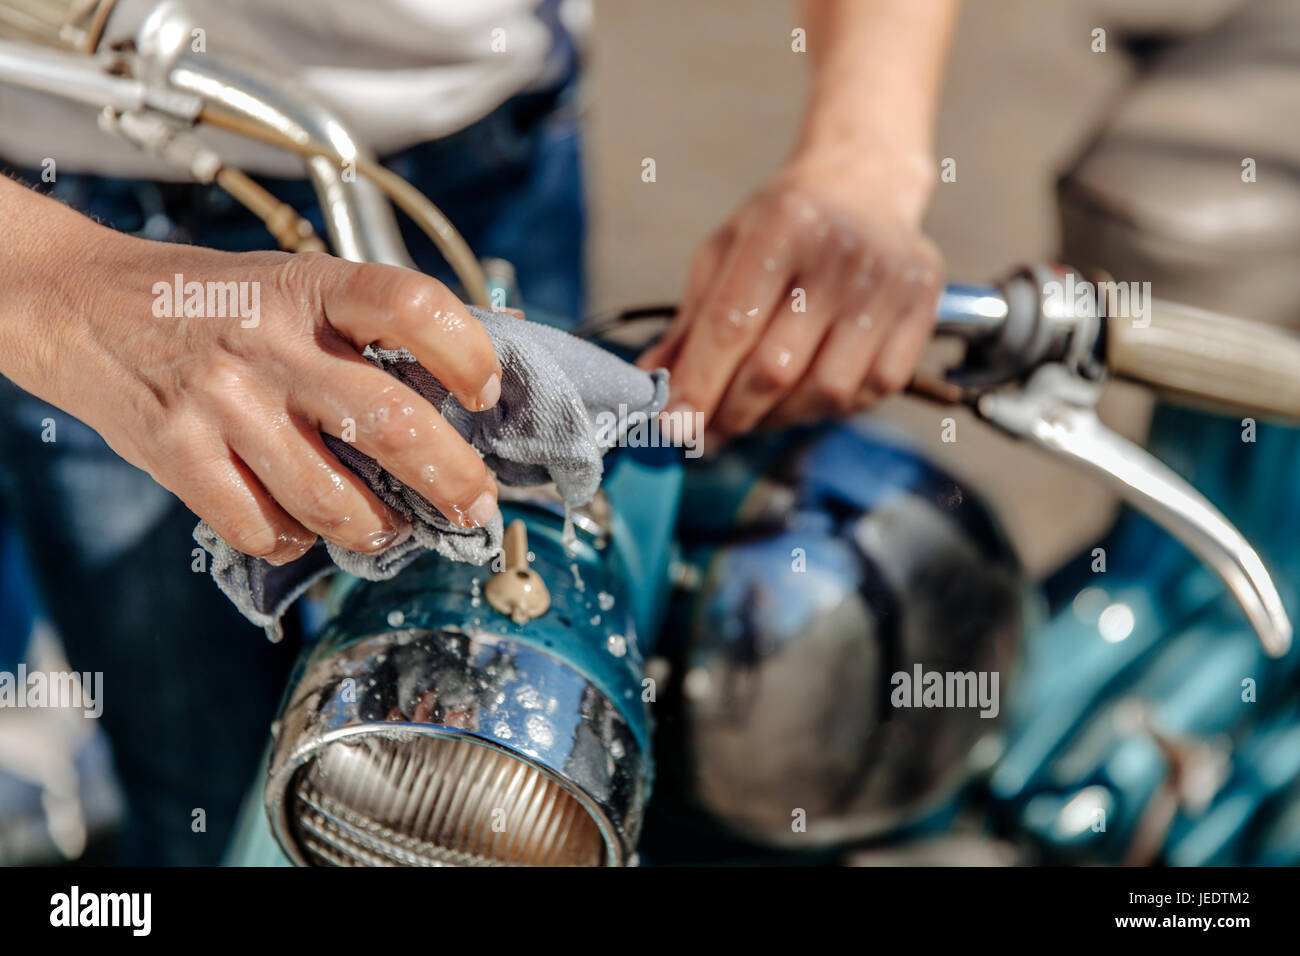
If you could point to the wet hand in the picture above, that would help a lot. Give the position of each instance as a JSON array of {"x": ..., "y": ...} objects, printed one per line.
[
  {"x": 227, "y": 411},
  {"x": 815, "y": 300}
]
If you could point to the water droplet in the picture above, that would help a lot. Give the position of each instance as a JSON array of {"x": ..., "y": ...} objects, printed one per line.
[
  {"x": 616, "y": 645},
  {"x": 396, "y": 618},
  {"x": 539, "y": 730},
  {"x": 605, "y": 600},
  {"x": 569, "y": 537},
  {"x": 528, "y": 698}
]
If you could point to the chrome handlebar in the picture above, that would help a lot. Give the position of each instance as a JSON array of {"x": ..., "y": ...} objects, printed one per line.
[{"x": 1037, "y": 373}]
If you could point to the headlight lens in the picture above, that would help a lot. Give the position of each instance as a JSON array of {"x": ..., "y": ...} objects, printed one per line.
[{"x": 429, "y": 801}]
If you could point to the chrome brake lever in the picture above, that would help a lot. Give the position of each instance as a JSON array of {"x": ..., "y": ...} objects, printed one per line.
[{"x": 1056, "y": 410}]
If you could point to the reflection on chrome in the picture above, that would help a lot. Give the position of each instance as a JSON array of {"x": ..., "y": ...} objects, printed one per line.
[{"x": 443, "y": 747}]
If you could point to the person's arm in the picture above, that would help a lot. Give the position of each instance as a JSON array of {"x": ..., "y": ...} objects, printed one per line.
[
  {"x": 227, "y": 410},
  {"x": 816, "y": 298}
]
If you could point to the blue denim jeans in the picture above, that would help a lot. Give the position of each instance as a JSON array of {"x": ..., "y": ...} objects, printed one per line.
[{"x": 190, "y": 687}]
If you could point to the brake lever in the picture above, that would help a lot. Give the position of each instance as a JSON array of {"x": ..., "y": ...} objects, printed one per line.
[{"x": 1056, "y": 409}]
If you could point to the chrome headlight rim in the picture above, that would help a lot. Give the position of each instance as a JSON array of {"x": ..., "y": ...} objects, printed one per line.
[{"x": 304, "y": 734}]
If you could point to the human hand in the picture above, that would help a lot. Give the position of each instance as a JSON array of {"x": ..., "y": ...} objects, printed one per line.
[
  {"x": 813, "y": 301},
  {"x": 227, "y": 412}
]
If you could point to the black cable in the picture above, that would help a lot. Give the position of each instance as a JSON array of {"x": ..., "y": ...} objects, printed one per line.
[{"x": 597, "y": 325}]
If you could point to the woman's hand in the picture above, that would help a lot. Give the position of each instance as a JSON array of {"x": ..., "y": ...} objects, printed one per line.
[
  {"x": 227, "y": 412},
  {"x": 814, "y": 300}
]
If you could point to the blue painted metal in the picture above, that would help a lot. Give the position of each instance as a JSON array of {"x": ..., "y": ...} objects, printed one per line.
[
  {"x": 1190, "y": 660},
  {"x": 631, "y": 571}
]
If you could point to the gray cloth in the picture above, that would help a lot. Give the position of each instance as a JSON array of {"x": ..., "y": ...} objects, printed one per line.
[{"x": 559, "y": 397}]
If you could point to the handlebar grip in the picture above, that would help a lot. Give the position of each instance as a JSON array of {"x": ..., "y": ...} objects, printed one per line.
[{"x": 1209, "y": 359}]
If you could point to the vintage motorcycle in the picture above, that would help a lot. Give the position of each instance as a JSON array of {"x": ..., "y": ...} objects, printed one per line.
[{"x": 744, "y": 623}]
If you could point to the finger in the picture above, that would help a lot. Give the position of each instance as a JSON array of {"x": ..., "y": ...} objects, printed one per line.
[
  {"x": 831, "y": 385},
  {"x": 773, "y": 369},
  {"x": 789, "y": 344},
  {"x": 703, "y": 270},
  {"x": 396, "y": 426},
  {"x": 731, "y": 318},
  {"x": 303, "y": 476},
  {"x": 398, "y": 308},
  {"x": 227, "y": 495},
  {"x": 896, "y": 361}
]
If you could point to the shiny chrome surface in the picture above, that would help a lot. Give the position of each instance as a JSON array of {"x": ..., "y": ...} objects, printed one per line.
[
  {"x": 66, "y": 24},
  {"x": 83, "y": 79},
  {"x": 362, "y": 226},
  {"x": 970, "y": 311},
  {"x": 1057, "y": 411},
  {"x": 879, "y": 563},
  {"x": 446, "y": 747}
]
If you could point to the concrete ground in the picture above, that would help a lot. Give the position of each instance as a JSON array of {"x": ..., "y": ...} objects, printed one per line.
[{"x": 713, "y": 94}]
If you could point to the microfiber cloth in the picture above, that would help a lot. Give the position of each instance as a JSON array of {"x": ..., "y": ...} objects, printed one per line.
[{"x": 559, "y": 397}]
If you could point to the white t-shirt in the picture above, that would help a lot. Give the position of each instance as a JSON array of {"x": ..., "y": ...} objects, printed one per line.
[{"x": 397, "y": 71}]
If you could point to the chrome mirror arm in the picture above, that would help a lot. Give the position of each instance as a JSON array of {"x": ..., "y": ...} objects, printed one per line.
[
  {"x": 361, "y": 224},
  {"x": 1056, "y": 410}
]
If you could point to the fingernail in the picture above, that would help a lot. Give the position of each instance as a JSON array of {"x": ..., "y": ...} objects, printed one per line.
[
  {"x": 482, "y": 511},
  {"x": 293, "y": 549},
  {"x": 377, "y": 540},
  {"x": 488, "y": 395},
  {"x": 386, "y": 538}
]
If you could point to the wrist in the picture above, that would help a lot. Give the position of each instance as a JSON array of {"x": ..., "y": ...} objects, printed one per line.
[
  {"x": 873, "y": 175},
  {"x": 58, "y": 279}
]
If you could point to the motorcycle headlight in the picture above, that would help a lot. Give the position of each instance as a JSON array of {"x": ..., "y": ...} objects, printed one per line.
[
  {"x": 446, "y": 747},
  {"x": 415, "y": 800}
]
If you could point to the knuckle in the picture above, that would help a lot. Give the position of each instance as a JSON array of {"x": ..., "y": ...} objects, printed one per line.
[
  {"x": 298, "y": 276},
  {"x": 321, "y": 503},
  {"x": 251, "y": 534},
  {"x": 889, "y": 379},
  {"x": 460, "y": 487},
  {"x": 415, "y": 297},
  {"x": 222, "y": 386},
  {"x": 889, "y": 272},
  {"x": 793, "y": 207},
  {"x": 729, "y": 323},
  {"x": 775, "y": 370},
  {"x": 838, "y": 393},
  {"x": 222, "y": 376},
  {"x": 388, "y": 424}
]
